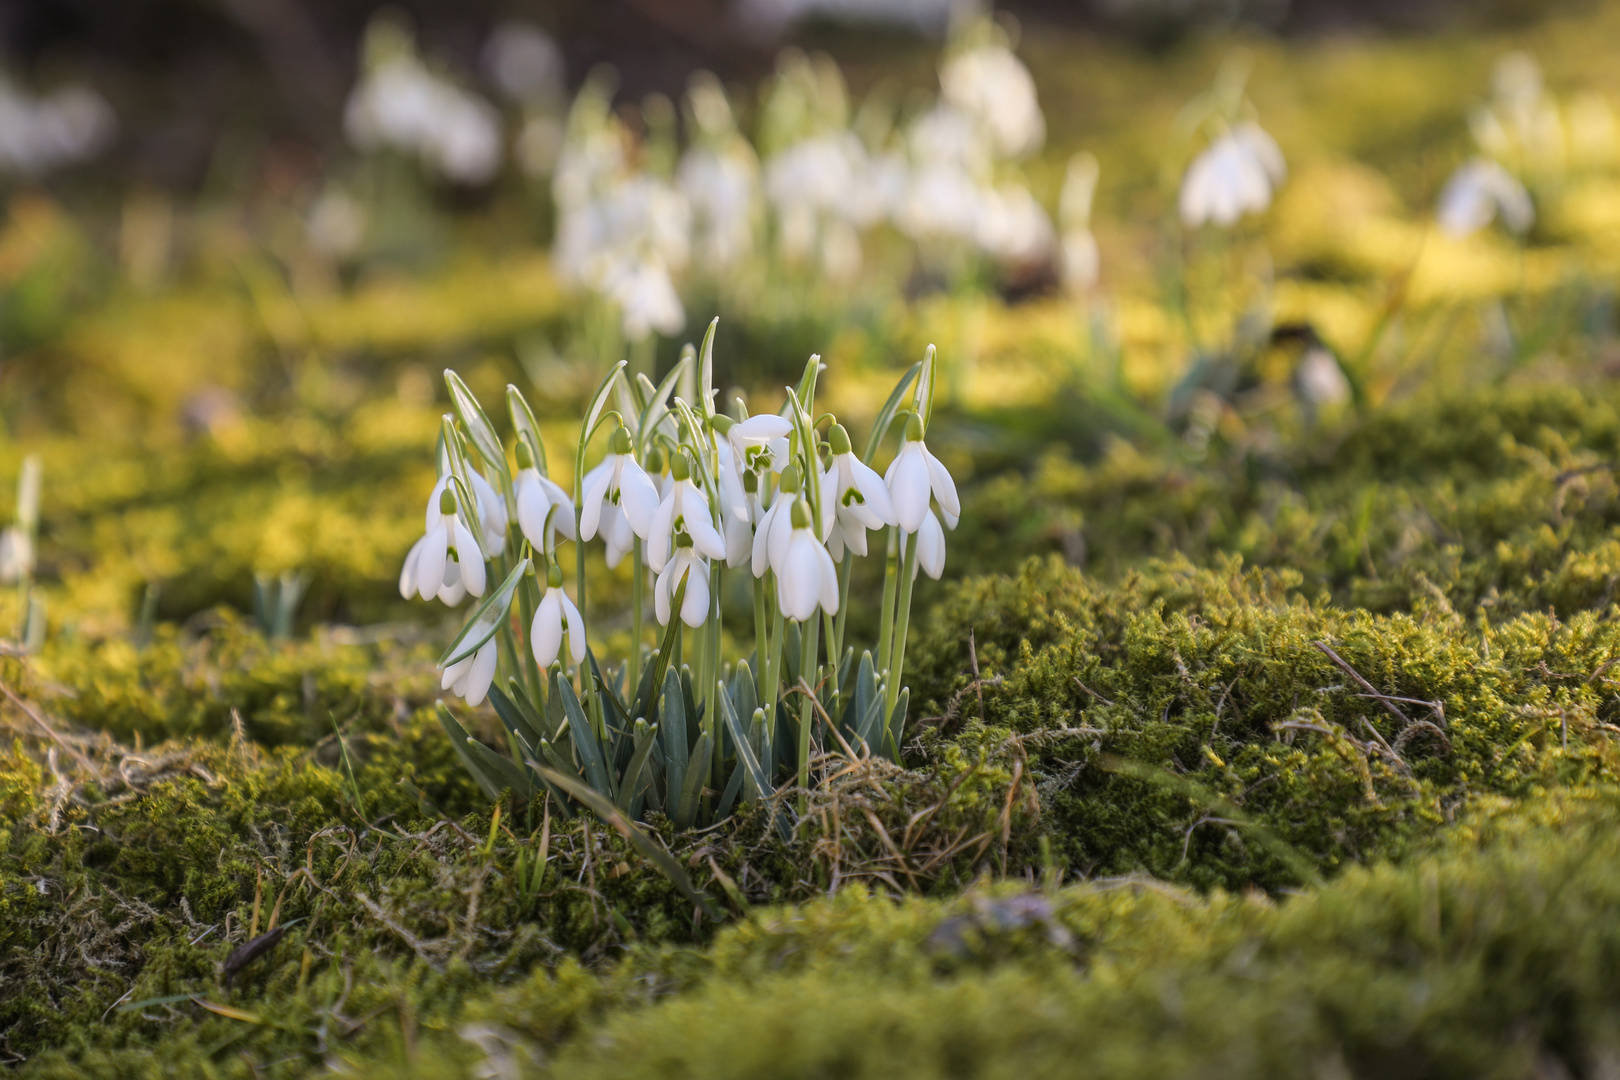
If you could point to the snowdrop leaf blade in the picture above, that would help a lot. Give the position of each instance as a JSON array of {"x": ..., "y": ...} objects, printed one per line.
[
  {"x": 672, "y": 726},
  {"x": 489, "y": 781},
  {"x": 885, "y": 416},
  {"x": 479, "y": 429},
  {"x": 649, "y": 848},
  {"x": 745, "y": 750},
  {"x": 515, "y": 719},
  {"x": 658, "y": 402},
  {"x": 486, "y": 619},
  {"x": 706, "y": 369},
  {"x": 897, "y": 724},
  {"x": 585, "y": 744},
  {"x": 526, "y": 426},
  {"x": 598, "y": 403},
  {"x": 653, "y": 677}
]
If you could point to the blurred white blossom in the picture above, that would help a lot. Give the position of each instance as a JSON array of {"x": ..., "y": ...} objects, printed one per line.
[
  {"x": 1234, "y": 176},
  {"x": 40, "y": 134},
  {"x": 1477, "y": 194}
]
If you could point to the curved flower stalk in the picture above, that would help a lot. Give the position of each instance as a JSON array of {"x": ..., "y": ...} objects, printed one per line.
[
  {"x": 556, "y": 618},
  {"x": 429, "y": 566}
]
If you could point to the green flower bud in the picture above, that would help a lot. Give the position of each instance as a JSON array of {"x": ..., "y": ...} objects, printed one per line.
[
  {"x": 655, "y": 460},
  {"x": 801, "y": 514},
  {"x": 790, "y": 479},
  {"x": 447, "y": 501},
  {"x": 525, "y": 456},
  {"x": 621, "y": 441},
  {"x": 838, "y": 439},
  {"x": 554, "y": 576},
  {"x": 914, "y": 428},
  {"x": 751, "y": 483},
  {"x": 679, "y": 467},
  {"x": 721, "y": 423}
]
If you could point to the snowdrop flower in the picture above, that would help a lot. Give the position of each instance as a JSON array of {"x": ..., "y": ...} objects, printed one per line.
[
  {"x": 1235, "y": 175},
  {"x": 469, "y": 678},
  {"x": 1477, "y": 193},
  {"x": 1080, "y": 260},
  {"x": 646, "y": 299},
  {"x": 859, "y": 498},
  {"x": 525, "y": 62},
  {"x": 38, "y": 135},
  {"x": 16, "y": 554},
  {"x": 492, "y": 517},
  {"x": 428, "y": 566},
  {"x": 733, "y": 496},
  {"x": 914, "y": 476},
  {"x": 399, "y": 103},
  {"x": 775, "y": 531},
  {"x": 760, "y": 443},
  {"x": 688, "y": 564},
  {"x": 994, "y": 87},
  {"x": 555, "y": 617},
  {"x": 806, "y": 578},
  {"x": 543, "y": 508},
  {"x": 1012, "y": 226},
  {"x": 619, "y": 500},
  {"x": 684, "y": 512},
  {"x": 930, "y": 541}
]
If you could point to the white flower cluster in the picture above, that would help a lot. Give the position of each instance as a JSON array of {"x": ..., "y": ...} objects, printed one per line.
[
  {"x": 401, "y": 104},
  {"x": 683, "y": 492},
  {"x": 38, "y": 135},
  {"x": 1235, "y": 175}
]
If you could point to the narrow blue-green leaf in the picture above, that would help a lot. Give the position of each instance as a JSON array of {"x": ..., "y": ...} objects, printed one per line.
[
  {"x": 630, "y": 784},
  {"x": 745, "y": 750},
  {"x": 598, "y": 403},
  {"x": 925, "y": 389},
  {"x": 486, "y": 620},
  {"x": 488, "y": 782},
  {"x": 897, "y": 724},
  {"x": 673, "y": 725},
  {"x": 885, "y": 416},
  {"x": 706, "y": 370},
  {"x": 585, "y": 744},
  {"x": 643, "y": 843},
  {"x": 692, "y": 787},
  {"x": 658, "y": 404},
  {"x": 723, "y": 809}
]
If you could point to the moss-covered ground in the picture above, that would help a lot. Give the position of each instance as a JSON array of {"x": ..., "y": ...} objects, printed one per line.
[{"x": 1292, "y": 749}]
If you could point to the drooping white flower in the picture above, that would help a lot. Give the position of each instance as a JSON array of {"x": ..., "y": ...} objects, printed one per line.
[
  {"x": 775, "y": 529},
  {"x": 470, "y": 677},
  {"x": 1477, "y": 194},
  {"x": 543, "y": 507},
  {"x": 993, "y": 86},
  {"x": 555, "y": 617},
  {"x": 1012, "y": 226},
  {"x": 617, "y": 489},
  {"x": 685, "y": 564},
  {"x": 760, "y": 443},
  {"x": 16, "y": 554},
  {"x": 684, "y": 512},
  {"x": 859, "y": 497},
  {"x": 646, "y": 298},
  {"x": 40, "y": 134},
  {"x": 806, "y": 577},
  {"x": 914, "y": 476},
  {"x": 428, "y": 566},
  {"x": 1080, "y": 260},
  {"x": 1235, "y": 175}
]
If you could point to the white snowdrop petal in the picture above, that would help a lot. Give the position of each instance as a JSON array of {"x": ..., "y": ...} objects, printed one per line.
[
  {"x": 780, "y": 535},
  {"x": 762, "y": 538},
  {"x": 471, "y": 558},
  {"x": 828, "y": 579},
  {"x": 407, "y": 575},
  {"x": 477, "y": 682},
  {"x": 872, "y": 489},
  {"x": 658, "y": 538},
  {"x": 761, "y": 428},
  {"x": 638, "y": 498},
  {"x": 909, "y": 487},
  {"x": 944, "y": 488},
  {"x": 798, "y": 585},
  {"x": 545, "y": 632},
  {"x": 576, "y": 627},
  {"x": 739, "y": 542},
  {"x": 930, "y": 543},
  {"x": 595, "y": 494},
  {"x": 431, "y": 559},
  {"x": 695, "y": 606},
  {"x": 433, "y": 514},
  {"x": 661, "y": 595},
  {"x": 454, "y": 673},
  {"x": 705, "y": 537}
]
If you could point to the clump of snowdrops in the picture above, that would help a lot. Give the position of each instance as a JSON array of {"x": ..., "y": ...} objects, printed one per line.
[{"x": 688, "y": 495}]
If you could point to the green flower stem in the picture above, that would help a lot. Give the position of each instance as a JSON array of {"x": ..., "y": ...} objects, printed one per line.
[
  {"x": 807, "y": 710},
  {"x": 528, "y": 602},
  {"x": 903, "y": 619},
  {"x": 638, "y": 588},
  {"x": 761, "y": 644},
  {"x": 890, "y": 569},
  {"x": 844, "y": 569},
  {"x": 835, "y": 657}
]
